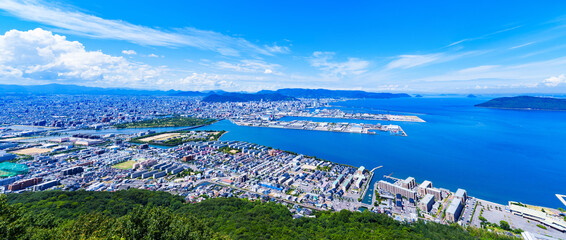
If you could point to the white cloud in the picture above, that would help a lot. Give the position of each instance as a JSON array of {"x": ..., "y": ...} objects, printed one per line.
[
  {"x": 248, "y": 66},
  {"x": 40, "y": 56},
  {"x": 277, "y": 49},
  {"x": 482, "y": 68},
  {"x": 75, "y": 22},
  {"x": 555, "y": 80},
  {"x": 483, "y": 36},
  {"x": 500, "y": 77},
  {"x": 410, "y": 61},
  {"x": 323, "y": 61},
  {"x": 205, "y": 81},
  {"x": 129, "y": 52},
  {"x": 458, "y": 42},
  {"x": 522, "y": 45},
  {"x": 152, "y": 55}
]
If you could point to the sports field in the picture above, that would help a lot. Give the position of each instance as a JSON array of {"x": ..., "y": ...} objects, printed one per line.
[
  {"x": 125, "y": 165},
  {"x": 8, "y": 169}
]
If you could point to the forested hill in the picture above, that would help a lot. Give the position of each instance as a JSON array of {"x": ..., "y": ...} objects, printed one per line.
[
  {"x": 526, "y": 102},
  {"x": 246, "y": 97},
  {"x": 326, "y": 93},
  {"x": 211, "y": 96},
  {"x": 141, "y": 214}
]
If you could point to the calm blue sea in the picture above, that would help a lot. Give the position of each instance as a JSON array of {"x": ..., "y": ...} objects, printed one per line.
[{"x": 496, "y": 155}]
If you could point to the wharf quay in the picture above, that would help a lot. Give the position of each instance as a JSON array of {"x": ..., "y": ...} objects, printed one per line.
[
  {"x": 359, "y": 116},
  {"x": 325, "y": 126}
]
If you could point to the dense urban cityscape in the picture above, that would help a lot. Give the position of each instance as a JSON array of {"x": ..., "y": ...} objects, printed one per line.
[
  {"x": 71, "y": 143},
  {"x": 298, "y": 120}
]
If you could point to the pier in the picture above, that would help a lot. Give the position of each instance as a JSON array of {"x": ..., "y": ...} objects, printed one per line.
[{"x": 562, "y": 198}]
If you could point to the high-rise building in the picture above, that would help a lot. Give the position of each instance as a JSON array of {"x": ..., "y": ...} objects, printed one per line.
[
  {"x": 462, "y": 195},
  {"x": 453, "y": 211},
  {"x": 396, "y": 189},
  {"x": 426, "y": 203}
]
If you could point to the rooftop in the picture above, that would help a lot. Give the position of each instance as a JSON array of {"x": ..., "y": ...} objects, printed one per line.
[
  {"x": 460, "y": 193},
  {"x": 426, "y": 184},
  {"x": 427, "y": 198},
  {"x": 453, "y": 206}
]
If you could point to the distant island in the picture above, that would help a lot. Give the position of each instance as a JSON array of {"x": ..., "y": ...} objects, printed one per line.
[
  {"x": 246, "y": 97},
  {"x": 526, "y": 103},
  {"x": 167, "y": 122},
  {"x": 472, "y": 96}
]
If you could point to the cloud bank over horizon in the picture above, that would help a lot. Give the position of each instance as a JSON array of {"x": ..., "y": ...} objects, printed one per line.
[{"x": 117, "y": 53}]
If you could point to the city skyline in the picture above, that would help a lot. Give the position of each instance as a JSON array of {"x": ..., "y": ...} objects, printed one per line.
[{"x": 444, "y": 48}]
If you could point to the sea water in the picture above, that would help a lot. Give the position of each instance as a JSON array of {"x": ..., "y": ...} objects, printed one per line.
[{"x": 496, "y": 155}]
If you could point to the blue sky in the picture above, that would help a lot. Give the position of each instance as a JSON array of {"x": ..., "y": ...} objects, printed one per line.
[{"x": 389, "y": 46}]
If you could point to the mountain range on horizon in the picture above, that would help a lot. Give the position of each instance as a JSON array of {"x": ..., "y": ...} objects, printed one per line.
[{"x": 49, "y": 89}]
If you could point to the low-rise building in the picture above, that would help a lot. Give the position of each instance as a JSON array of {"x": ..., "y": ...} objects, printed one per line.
[{"x": 4, "y": 156}]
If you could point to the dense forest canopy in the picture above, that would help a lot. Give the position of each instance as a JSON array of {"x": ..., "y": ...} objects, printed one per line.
[{"x": 141, "y": 214}]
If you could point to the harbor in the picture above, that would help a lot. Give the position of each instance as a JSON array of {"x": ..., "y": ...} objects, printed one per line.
[
  {"x": 339, "y": 114},
  {"x": 363, "y": 128}
]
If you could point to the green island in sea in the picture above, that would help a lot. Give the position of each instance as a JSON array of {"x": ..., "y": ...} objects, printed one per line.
[{"x": 526, "y": 103}]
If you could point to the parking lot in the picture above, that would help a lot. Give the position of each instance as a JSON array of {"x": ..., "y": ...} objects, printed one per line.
[
  {"x": 468, "y": 211},
  {"x": 495, "y": 213}
]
